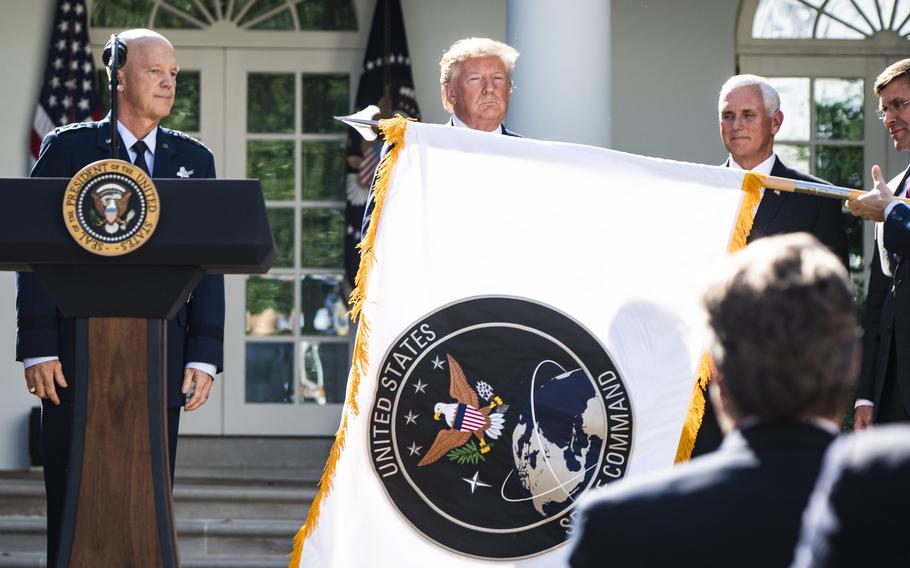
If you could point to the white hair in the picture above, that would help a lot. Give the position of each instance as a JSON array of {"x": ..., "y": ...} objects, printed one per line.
[
  {"x": 469, "y": 48},
  {"x": 769, "y": 94}
]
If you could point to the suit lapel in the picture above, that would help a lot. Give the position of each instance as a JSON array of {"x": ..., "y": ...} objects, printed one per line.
[
  {"x": 884, "y": 258},
  {"x": 104, "y": 141},
  {"x": 768, "y": 206},
  {"x": 165, "y": 156}
]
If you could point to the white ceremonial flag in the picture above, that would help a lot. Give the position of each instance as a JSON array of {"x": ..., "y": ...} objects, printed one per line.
[{"x": 530, "y": 330}]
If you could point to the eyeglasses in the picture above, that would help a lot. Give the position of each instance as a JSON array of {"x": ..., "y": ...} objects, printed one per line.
[{"x": 896, "y": 106}]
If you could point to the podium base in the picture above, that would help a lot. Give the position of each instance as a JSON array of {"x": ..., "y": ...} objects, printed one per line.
[{"x": 118, "y": 509}]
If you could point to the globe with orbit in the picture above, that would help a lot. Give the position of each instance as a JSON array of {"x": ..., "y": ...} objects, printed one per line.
[{"x": 558, "y": 438}]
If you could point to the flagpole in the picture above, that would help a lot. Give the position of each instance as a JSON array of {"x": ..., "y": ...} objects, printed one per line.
[{"x": 812, "y": 188}]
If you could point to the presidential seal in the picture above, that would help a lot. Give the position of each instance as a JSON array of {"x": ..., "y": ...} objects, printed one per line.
[
  {"x": 492, "y": 416},
  {"x": 110, "y": 207}
]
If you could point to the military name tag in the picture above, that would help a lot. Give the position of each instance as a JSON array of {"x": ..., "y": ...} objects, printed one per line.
[{"x": 111, "y": 207}]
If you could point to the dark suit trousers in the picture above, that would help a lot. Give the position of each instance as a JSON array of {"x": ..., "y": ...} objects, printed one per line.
[
  {"x": 891, "y": 403},
  {"x": 56, "y": 428}
]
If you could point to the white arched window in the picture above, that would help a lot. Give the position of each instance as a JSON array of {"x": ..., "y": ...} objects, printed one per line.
[{"x": 823, "y": 56}]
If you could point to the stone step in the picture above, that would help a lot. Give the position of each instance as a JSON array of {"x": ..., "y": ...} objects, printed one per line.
[
  {"x": 239, "y": 539},
  {"x": 193, "y": 498},
  {"x": 37, "y": 560}
]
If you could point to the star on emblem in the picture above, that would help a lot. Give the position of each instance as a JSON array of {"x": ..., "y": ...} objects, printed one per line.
[
  {"x": 414, "y": 449},
  {"x": 437, "y": 363},
  {"x": 411, "y": 418},
  {"x": 475, "y": 482},
  {"x": 420, "y": 387},
  {"x": 184, "y": 173}
]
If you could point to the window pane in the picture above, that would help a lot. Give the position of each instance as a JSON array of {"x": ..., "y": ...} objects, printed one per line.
[
  {"x": 832, "y": 29},
  {"x": 272, "y": 163},
  {"x": 840, "y": 165},
  {"x": 258, "y": 8},
  {"x": 322, "y": 306},
  {"x": 324, "y": 372},
  {"x": 269, "y": 372},
  {"x": 322, "y": 170},
  {"x": 322, "y": 238},
  {"x": 123, "y": 14},
  {"x": 783, "y": 19},
  {"x": 325, "y": 96},
  {"x": 185, "y": 113},
  {"x": 794, "y": 102},
  {"x": 269, "y": 305},
  {"x": 282, "y": 222},
  {"x": 327, "y": 15},
  {"x": 846, "y": 11},
  {"x": 795, "y": 156},
  {"x": 270, "y": 102},
  {"x": 283, "y": 20},
  {"x": 839, "y": 109},
  {"x": 165, "y": 18}
]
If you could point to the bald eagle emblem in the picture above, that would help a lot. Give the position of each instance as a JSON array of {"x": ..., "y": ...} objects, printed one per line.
[
  {"x": 112, "y": 202},
  {"x": 465, "y": 418}
]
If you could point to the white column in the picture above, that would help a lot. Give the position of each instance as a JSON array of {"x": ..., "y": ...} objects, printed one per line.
[{"x": 562, "y": 78}]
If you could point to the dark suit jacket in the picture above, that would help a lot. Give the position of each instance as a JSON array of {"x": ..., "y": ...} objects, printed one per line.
[
  {"x": 745, "y": 499},
  {"x": 796, "y": 212},
  {"x": 778, "y": 214},
  {"x": 886, "y": 297},
  {"x": 194, "y": 334},
  {"x": 857, "y": 515}
]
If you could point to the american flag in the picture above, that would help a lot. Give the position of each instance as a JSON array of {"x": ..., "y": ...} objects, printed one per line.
[{"x": 70, "y": 91}]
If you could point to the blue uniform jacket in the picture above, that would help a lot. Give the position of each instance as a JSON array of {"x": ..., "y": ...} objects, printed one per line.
[{"x": 196, "y": 333}]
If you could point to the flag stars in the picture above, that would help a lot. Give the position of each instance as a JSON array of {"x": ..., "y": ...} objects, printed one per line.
[
  {"x": 78, "y": 27},
  {"x": 75, "y": 47},
  {"x": 57, "y": 64},
  {"x": 71, "y": 85},
  {"x": 63, "y": 26},
  {"x": 74, "y": 65},
  {"x": 86, "y": 85},
  {"x": 411, "y": 418},
  {"x": 66, "y": 7},
  {"x": 86, "y": 68},
  {"x": 420, "y": 387},
  {"x": 437, "y": 363},
  {"x": 79, "y": 9},
  {"x": 63, "y": 120},
  {"x": 414, "y": 449},
  {"x": 475, "y": 482},
  {"x": 52, "y": 101},
  {"x": 61, "y": 45},
  {"x": 83, "y": 104},
  {"x": 55, "y": 82},
  {"x": 67, "y": 102}
]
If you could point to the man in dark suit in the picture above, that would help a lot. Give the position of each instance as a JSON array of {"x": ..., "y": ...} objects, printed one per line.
[
  {"x": 883, "y": 389},
  {"x": 857, "y": 515},
  {"x": 783, "y": 342},
  {"x": 45, "y": 341},
  {"x": 750, "y": 118}
]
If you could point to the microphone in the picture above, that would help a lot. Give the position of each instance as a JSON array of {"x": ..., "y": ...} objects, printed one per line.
[{"x": 108, "y": 51}]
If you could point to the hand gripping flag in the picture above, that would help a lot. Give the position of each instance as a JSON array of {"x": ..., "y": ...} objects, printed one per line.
[{"x": 528, "y": 330}]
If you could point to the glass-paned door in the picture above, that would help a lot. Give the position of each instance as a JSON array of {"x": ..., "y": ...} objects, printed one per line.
[
  {"x": 823, "y": 134},
  {"x": 290, "y": 336}
]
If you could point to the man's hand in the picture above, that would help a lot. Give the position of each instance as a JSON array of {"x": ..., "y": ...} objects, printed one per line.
[
  {"x": 203, "y": 382},
  {"x": 42, "y": 380},
  {"x": 872, "y": 205},
  {"x": 862, "y": 417}
]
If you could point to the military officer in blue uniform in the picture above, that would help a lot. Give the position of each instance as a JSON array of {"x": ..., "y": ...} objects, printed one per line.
[{"x": 45, "y": 340}]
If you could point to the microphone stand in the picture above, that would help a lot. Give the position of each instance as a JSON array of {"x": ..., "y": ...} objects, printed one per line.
[{"x": 115, "y": 82}]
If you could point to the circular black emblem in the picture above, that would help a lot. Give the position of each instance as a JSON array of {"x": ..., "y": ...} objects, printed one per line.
[
  {"x": 492, "y": 416},
  {"x": 110, "y": 207}
]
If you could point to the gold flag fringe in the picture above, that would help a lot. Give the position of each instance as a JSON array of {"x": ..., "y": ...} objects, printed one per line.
[
  {"x": 752, "y": 184},
  {"x": 393, "y": 130}
]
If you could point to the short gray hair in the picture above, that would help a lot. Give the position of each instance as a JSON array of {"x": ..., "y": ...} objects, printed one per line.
[
  {"x": 469, "y": 48},
  {"x": 784, "y": 329},
  {"x": 769, "y": 94}
]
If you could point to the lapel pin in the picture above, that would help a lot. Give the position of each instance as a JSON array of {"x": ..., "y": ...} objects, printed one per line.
[{"x": 184, "y": 173}]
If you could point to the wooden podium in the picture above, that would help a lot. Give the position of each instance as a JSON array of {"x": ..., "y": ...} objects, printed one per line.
[{"x": 118, "y": 509}]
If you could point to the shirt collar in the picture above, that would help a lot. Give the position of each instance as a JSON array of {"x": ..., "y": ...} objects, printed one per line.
[
  {"x": 457, "y": 122},
  {"x": 762, "y": 168},
  {"x": 128, "y": 139}
]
